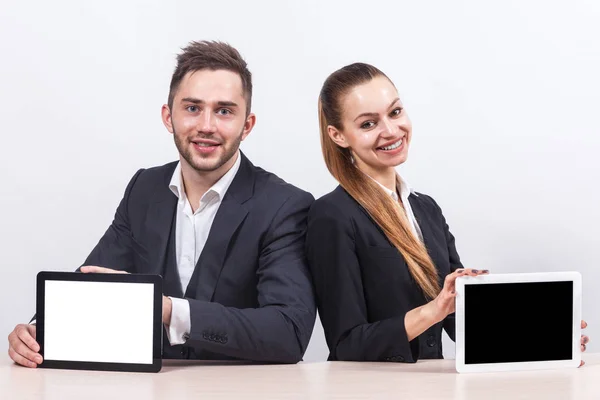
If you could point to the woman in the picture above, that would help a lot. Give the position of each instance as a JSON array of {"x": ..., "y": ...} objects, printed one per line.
[{"x": 383, "y": 260}]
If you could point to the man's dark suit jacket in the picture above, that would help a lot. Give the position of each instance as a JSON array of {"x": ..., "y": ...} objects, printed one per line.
[
  {"x": 363, "y": 285},
  {"x": 250, "y": 295}
]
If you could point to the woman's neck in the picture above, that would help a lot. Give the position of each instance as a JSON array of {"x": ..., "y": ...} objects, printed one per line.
[{"x": 385, "y": 176}]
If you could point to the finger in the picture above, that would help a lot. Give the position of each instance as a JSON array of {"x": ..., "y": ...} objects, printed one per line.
[
  {"x": 584, "y": 339},
  {"x": 583, "y": 324},
  {"x": 583, "y": 348},
  {"x": 21, "y": 349},
  {"x": 476, "y": 272},
  {"x": 32, "y": 331},
  {"x": 25, "y": 336},
  {"x": 19, "y": 359},
  {"x": 92, "y": 269},
  {"x": 450, "y": 280},
  {"x": 582, "y": 363}
]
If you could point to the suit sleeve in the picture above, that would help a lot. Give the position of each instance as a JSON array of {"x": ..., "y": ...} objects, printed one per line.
[
  {"x": 280, "y": 328},
  {"x": 336, "y": 271},
  {"x": 114, "y": 248},
  {"x": 455, "y": 263}
]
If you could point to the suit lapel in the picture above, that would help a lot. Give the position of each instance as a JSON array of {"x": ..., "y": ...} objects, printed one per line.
[
  {"x": 422, "y": 220},
  {"x": 159, "y": 222},
  {"x": 230, "y": 215}
]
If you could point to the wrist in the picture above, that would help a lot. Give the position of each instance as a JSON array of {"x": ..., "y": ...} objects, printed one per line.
[
  {"x": 430, "y": 312},
  {"x": 166, "y": 311}
]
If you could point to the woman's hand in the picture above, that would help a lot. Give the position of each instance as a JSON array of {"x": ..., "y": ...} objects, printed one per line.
[
  {"x": 584, "y": 340},
  {"x": 444, "y": 304}
]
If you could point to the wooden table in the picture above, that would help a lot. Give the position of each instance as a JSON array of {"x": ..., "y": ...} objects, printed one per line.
[{"x": 182, "y": 380}]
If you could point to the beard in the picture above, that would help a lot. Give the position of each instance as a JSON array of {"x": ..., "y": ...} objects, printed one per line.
[{"x": 207, "y": 164}]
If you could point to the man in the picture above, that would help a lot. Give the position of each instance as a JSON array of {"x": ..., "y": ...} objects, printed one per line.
[{"x": 227, "y": 237}]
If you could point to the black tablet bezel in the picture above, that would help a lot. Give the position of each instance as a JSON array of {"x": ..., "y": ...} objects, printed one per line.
[{"x": 156, "y": 280}]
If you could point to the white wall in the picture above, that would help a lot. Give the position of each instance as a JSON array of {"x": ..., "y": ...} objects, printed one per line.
[{"x": 504, "y": 98}]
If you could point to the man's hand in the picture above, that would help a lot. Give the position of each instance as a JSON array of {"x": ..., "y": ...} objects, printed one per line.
[
  {"x": 92, "y": 269},
  {"x": 22, "y": 347}
]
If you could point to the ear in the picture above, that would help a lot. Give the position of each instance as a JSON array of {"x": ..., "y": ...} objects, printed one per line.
[
  {"x": 248, "y": 125},
  {"x": 337, "y": 136},
  {"x": 167, "y": 120}
]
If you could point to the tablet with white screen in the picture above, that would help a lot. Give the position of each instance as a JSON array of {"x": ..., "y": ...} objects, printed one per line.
[
  {"x": 99, "y": 321},
  {"x": 508, "y": 322}
]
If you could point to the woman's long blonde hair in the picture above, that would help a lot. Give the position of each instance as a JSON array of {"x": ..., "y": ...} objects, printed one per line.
[{"x": 381, "y": 207}]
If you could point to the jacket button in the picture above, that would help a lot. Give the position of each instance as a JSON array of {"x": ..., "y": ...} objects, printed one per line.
[
  {"x": 431, "y": 342},
  {"x": 186, "y": 336}
]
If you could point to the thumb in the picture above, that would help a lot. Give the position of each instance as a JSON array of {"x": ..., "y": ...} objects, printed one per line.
[{"x": 31, "y": 329}]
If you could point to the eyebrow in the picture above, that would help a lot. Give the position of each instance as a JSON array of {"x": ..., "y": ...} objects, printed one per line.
[
  {"x": 372, "y": 114},
  {"x": 221, "y": 103}
]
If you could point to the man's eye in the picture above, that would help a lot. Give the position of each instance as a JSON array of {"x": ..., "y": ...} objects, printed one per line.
[
  {"x": 224, "y": 111},
  {"x": 192, "y": 109},
  {"x": 367, "y": 125}
]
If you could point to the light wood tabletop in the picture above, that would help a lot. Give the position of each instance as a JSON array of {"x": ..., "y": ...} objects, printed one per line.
[{"x": 182, "y": 380}]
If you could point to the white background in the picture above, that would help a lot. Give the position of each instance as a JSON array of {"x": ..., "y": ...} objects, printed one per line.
[{"x": 504, "y": 98}]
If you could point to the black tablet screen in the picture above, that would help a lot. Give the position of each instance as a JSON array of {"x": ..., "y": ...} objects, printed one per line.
[{"x": 518, "y": 322}]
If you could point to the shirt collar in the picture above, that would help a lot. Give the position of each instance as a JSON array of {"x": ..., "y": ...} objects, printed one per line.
[
  {"x": 405, "y": 189},
  {"x": 219, "y": 188}
]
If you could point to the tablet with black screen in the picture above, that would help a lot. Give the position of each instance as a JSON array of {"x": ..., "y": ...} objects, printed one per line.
[{"x": 508, "y": 322}]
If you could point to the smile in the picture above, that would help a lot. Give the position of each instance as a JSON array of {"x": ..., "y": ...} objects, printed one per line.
[{"x": 393, "y": 146}]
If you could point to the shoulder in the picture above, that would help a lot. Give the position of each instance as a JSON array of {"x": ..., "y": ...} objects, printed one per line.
[
  {"x": 427, "y": 203},
  {"x": 271, "y": 188},
  {"x": 162, "y": 173},
  {"x": 146, "y": 180},
  {"x": 336, "y": 206}
]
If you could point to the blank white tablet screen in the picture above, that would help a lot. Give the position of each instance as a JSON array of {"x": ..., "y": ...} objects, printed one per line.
[
  {"x": 518, "y": 322},
  {"x": 98, "y": 321}
]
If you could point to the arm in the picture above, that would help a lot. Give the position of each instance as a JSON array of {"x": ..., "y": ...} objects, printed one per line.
[{"x": 280, "y": 328}]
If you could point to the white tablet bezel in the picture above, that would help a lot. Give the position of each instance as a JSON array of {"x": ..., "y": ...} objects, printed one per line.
[{"x": 575, "y": 277}]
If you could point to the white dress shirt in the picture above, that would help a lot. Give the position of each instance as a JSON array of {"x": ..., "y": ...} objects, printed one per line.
[
  {"x": 191, "y": 233},
  {"x": 405, "y": 191}
]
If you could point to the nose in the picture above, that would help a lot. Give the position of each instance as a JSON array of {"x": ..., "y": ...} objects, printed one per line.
[
  {"x": 207, "y": 122},
  {"x": 390, "y": 128}
]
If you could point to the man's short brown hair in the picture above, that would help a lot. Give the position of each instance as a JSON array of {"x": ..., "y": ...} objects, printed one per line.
[{"x": 211, "y": 55}]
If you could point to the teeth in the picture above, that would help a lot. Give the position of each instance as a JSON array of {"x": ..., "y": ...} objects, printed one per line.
[
  {"x": 204, "y": 144},
  {"x": 394, "y": 146}
]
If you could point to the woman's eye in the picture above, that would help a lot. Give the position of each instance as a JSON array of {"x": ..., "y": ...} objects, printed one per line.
[
  {"x": 367, "y": 125},
  {"x": 396, "y": 112}
]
